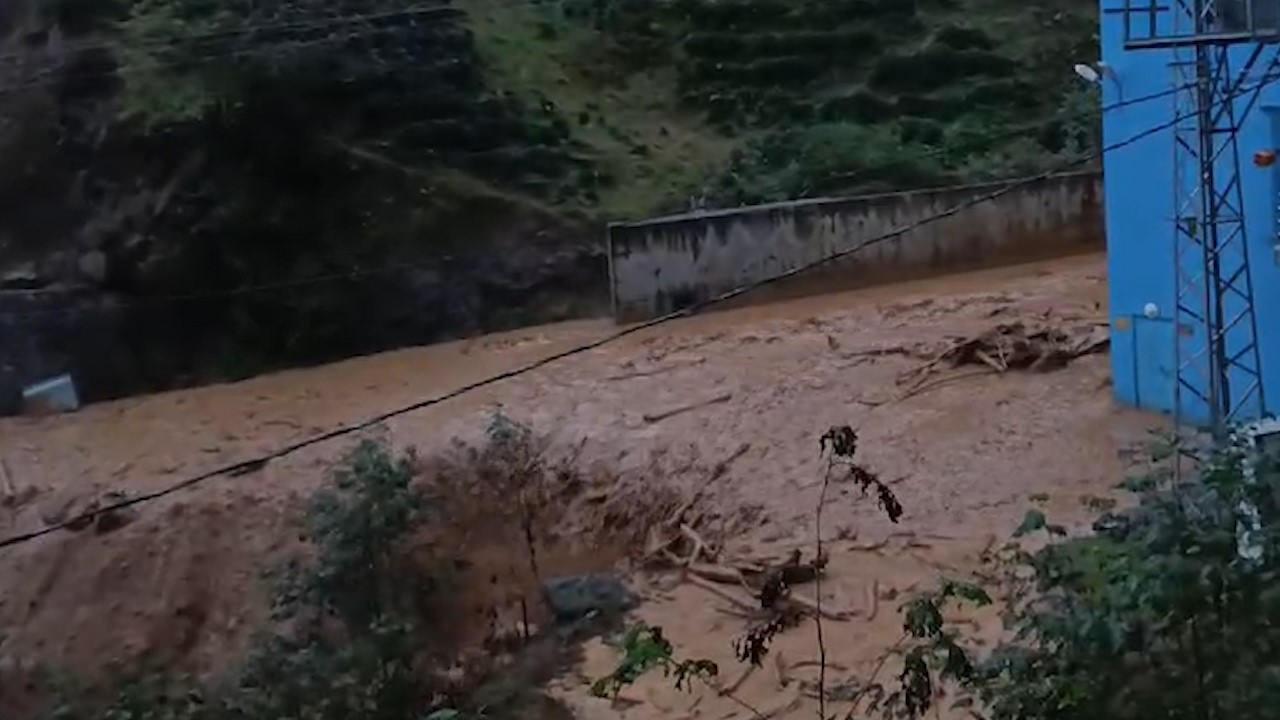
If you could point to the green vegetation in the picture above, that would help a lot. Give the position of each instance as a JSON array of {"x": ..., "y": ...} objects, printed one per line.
[
  {"x": 400, "y": 603},
  {"x": 353, "y": 644},
  {"x": 648, "y": 150},
  {"x": 644, "y": 649},
  {"x": 815, "y": 97},
  {"x": 1167, "y": 611},
  {"x": 457, "y": 161}
]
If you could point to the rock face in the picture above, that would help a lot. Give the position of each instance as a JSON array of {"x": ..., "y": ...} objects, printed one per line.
[
  {"x": 574, "y": 597},
  {"x": 209, "y": 245},
  {"x": 116, "y": 343}
]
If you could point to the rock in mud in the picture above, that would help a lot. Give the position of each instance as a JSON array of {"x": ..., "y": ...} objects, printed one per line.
[
  {"x": 573, "y": 597},
  {"x": 68, "y": 504},
  {"x": 81, "y": 509},
  {"x": 110, "y": 518}
]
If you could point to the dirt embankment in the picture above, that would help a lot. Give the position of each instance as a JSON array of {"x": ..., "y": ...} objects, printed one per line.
[{"x": 729, "y": 404}]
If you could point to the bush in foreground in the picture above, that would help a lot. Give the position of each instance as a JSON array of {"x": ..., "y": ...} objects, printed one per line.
[{"x": 1168, "y": 611}]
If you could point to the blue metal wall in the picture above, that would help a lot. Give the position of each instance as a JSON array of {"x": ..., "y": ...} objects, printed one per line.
[{"x": 1140, "y": 233}]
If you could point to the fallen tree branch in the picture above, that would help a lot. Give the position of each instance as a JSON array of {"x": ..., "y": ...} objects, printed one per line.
[
  {"x": 874, "y": 547},
  {"x": 722, "y": 467},
  {"x": 783, "y": 706},
  {"x": 808, "y": 605},
  {"x": 700, "y": 545},
  {"x": 998, "y": 367},
  {"x": 6, "y": 478},
  {"x": 656, "y": 371},
  {"x": 811, "y": 606},
  {"x": 717, "y": 573},
  {"x": 660, "y": 416},
  {"x": 928, "y": 367},
  {"x": 815, "y": 663},
  {"x": 925, "y": 387},
  {"x": 737, "y": 682},
  {"x": 723, "y": 594},
  {"x": 875, "y": 673},
  {"x": 877, "y": 352},
  {"x": 780, "y": 670},
  {"x": 873, "y": 605}
]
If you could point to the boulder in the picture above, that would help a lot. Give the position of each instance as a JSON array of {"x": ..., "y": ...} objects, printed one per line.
[
  {"x": 68, "y": 504},
  {"x": 109, "y": 520},
  {"x": 573, "y": 597},
  {"x": 83, "y": 507}
]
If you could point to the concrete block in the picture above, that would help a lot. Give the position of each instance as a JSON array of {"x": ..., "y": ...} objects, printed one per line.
[{"x": 55, "y": 395}]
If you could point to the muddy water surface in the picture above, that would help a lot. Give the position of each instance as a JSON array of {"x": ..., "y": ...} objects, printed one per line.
[{"x": 730, "y": 402}]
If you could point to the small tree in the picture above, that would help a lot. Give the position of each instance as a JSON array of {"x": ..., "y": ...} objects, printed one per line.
[
  {"x": 357, "y": 527},
  {"x": 361, "y": 667},
  {"x": 365, "y": 668},
  {"x": 1158, "y": 615}
]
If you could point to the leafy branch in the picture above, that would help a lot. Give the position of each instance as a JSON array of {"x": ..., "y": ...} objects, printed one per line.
[
  {"x": 644, "y": 649},
  {"x": 839, "y": 444},
  {"x": 935, "y": 650}
]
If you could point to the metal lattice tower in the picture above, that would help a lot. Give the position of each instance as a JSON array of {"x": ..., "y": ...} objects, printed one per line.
[
  {"x": 1216, "y": 355},
  {"x": 1219, "y": 370}
]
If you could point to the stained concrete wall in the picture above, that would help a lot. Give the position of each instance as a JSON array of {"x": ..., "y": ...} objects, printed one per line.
[{"x": 660, "y": 265}]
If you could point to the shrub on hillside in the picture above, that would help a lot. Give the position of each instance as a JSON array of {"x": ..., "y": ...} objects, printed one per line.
[
  {"x": 829, "y": 158},
  {"x": 937, "y": 66},
  {"x": 352, "y": 645},
  {"x": 1167, "y": 611}
]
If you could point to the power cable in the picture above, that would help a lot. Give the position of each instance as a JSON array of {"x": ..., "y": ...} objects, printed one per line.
[
  {"x": 49, "y": 77},
  {"x": 244, "y": 467},
  {"x": 1025, "y": 130},
  {"x": 248, "y": 29},
  {"x": 211, "y": 294},
  {"x": 186, "y": 297}
]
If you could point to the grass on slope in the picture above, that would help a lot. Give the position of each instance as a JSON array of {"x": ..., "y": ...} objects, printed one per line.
[
  {"x": 760, "y": 100},
  {"x": 651, "y": 154}
]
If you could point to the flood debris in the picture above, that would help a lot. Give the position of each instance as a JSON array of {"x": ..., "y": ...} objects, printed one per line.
[
  {"x": 7, "y": 487},
  {"x": 631, "y": 371},
  {"x": 663, "y": 415},
  {"x": 1039, "y": 347},
  {"x": 769, "y": 583},
  {"x": 76, "y": 510},
  {"x": 1015, "y": 346},
  {"x": 786, "y": 703}
]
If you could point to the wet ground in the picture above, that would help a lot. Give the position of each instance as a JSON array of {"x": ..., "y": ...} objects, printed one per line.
[{"x": 749, "y": 390}]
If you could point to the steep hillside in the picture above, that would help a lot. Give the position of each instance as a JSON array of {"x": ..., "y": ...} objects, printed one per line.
[
  {"x": 200, "y": 191},
  {"x": 731, "y": 101}
]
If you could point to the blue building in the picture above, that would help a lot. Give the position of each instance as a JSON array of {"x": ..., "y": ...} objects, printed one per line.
[{"x": 1148, "y": 343}]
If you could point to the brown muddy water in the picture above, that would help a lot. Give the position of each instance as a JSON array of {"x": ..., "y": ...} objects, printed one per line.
[{"x": 730, "y": 403}]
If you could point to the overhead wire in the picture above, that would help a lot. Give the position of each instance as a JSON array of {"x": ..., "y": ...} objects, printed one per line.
[
  {"x": 244, "y": 467},
  {"x": 177, "y": 298},
  {"x": 356, "y": 273},
  {"x": 246, "y": 29},
  {"x": 352, "y": 274},
  {"x": 50, "y": 77},
  {"x": 1026, "y": 130}
]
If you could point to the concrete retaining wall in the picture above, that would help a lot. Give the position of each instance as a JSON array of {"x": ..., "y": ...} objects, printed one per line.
[{"x": 660, "y": 265}]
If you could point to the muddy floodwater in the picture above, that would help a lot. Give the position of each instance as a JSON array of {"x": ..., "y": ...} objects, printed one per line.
[{"x": 747, "y": 392}]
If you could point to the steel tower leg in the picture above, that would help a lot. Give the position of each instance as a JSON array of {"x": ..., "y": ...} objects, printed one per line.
[{"x": 1219, "y": 370}]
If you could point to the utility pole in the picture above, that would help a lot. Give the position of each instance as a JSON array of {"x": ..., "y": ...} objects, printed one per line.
[{"x": 1216, "y": 356}]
